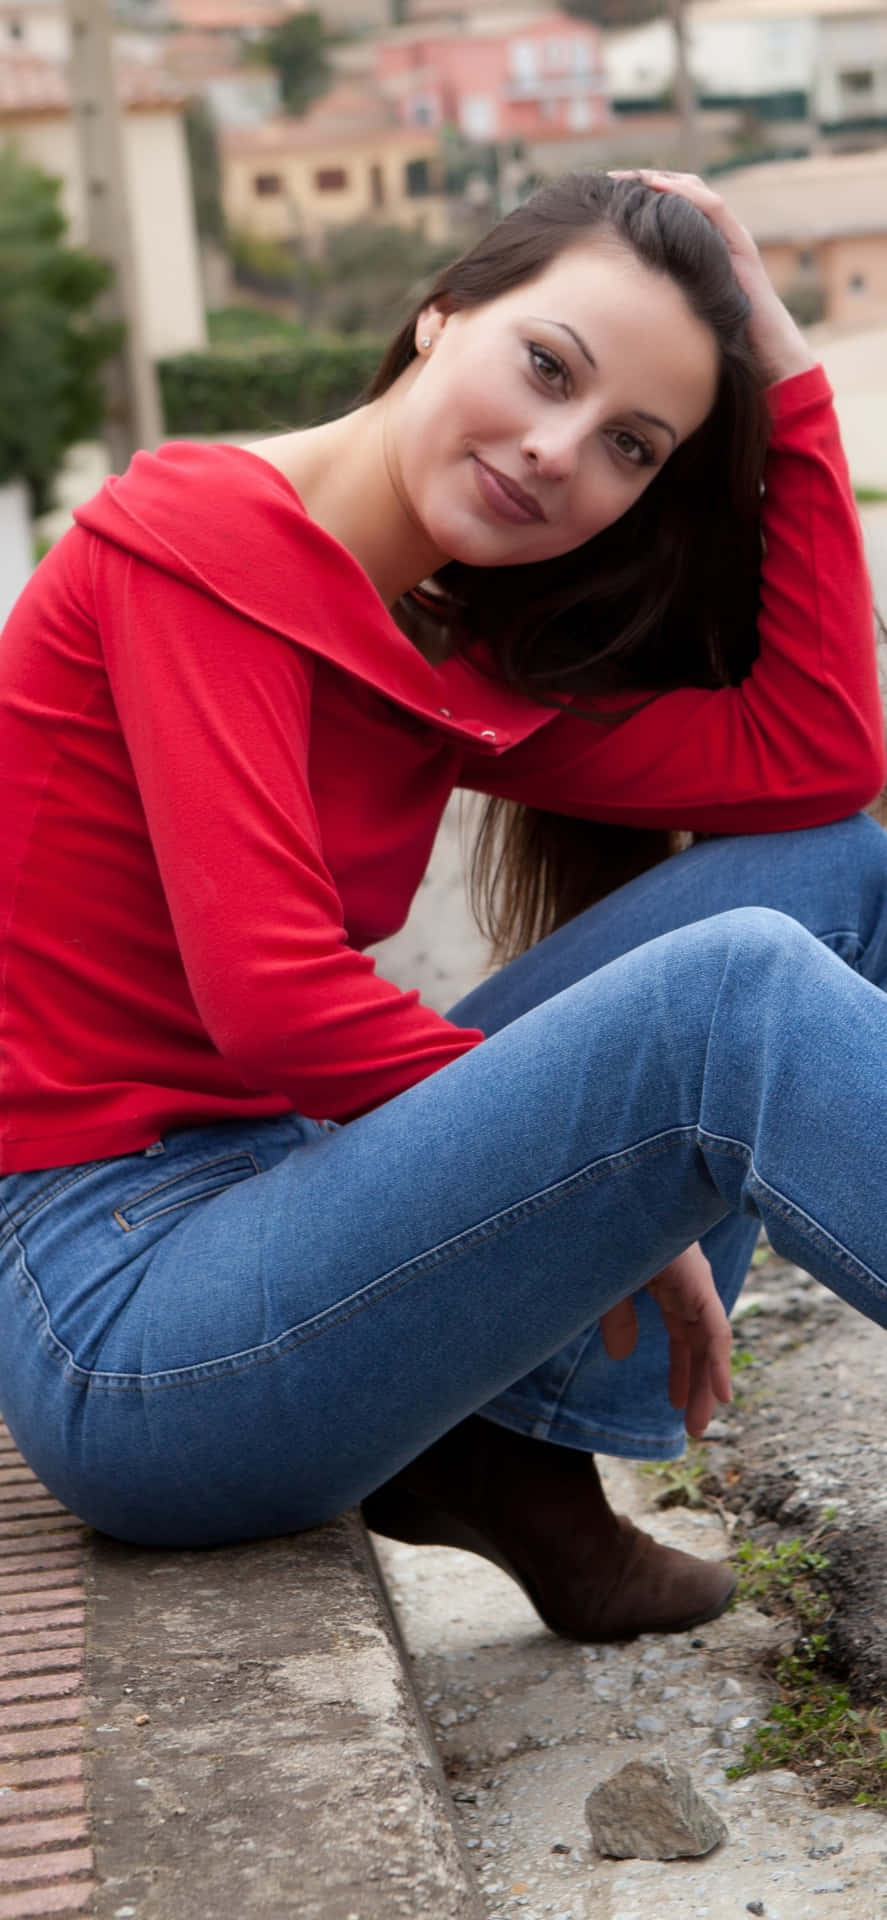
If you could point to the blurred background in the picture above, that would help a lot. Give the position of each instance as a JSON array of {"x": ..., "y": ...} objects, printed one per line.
[{"x": 212, "y": 212}]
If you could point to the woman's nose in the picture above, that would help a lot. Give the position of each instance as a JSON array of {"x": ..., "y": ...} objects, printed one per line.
[{"x": 552, "y": 449}]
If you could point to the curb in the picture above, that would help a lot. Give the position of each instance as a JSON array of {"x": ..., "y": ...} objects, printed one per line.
[{"x": 206, "y": 1736}]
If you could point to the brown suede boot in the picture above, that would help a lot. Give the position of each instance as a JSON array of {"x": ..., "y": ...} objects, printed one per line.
[{"x": 538, "y": 1510}]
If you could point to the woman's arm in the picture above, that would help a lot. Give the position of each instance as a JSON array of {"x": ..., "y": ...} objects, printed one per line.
[{"x": 800, "y": 742}]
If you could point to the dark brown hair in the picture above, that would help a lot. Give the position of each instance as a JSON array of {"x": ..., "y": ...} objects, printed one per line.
[{"x": 665, "y": 597}]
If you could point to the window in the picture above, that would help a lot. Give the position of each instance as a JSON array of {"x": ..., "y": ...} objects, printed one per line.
[
  {"x": 858, "y": 80},
  {"x": 422, "y": 110},
  {"x": 522, "y": 60},
  {"x": 265, "y": 183},
  {"x": 417, "y": 178},
  {"x": 377, "y": 185},
  {"x": 16, "y": 30},
  {"x": 856, "y": 283},
  {"x": 805, "y": 257},
  {"x": 477, "y": 116},
  {"x": 330, "y": 179}
]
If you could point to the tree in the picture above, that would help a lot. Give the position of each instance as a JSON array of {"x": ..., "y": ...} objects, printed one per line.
[
  {"x": 52, "y": 345},
  {"x": 616, "y": 13},
  {"x": 206, "y": 172},
  {"x": 297, "y": 50}
]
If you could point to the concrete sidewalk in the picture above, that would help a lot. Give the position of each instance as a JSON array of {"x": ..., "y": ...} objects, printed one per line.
[{"x": 204, "y": 1736}]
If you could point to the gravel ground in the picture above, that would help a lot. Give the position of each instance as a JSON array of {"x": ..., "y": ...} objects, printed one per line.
[{"x": 528, "y": 1723}]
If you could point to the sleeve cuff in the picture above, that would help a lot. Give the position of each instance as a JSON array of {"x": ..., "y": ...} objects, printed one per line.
[{"x": 799, "y": 391}]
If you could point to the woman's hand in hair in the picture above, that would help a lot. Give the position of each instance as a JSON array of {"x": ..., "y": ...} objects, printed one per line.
[
  {"x": 698, "y": 1334},
  {"x": 777, "y": 341}
]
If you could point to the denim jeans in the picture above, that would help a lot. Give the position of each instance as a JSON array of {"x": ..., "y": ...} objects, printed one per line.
[{"x": 244, "y": 1328}]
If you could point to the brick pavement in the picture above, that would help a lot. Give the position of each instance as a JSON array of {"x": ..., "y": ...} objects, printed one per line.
[{"x": 46, "y": 1861}]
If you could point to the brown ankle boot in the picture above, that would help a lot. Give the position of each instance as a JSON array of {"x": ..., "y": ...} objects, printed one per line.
[{"x": 538, "y": 1510}]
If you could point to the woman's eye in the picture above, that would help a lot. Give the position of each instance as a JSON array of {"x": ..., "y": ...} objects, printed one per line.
[
  {"x": 639, "y": 452},
  {"x": 550, "y": 369}
]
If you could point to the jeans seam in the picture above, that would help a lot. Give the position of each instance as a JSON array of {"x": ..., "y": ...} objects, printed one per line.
[
  {"x": 789, "y": 1211},
  {"x": 381, "y": 1288}
]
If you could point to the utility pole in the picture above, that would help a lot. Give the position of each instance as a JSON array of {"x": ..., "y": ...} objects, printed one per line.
[
  {"x": 134, "y": 417},
  {"x": 685, "y": 92}
]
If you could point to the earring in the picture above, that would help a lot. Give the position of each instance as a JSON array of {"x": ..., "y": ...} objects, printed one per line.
[{"x": 425, "y": 341}]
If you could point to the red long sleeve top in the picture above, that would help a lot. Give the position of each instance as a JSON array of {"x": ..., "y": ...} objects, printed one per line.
[{"x": 222, "y": 767}]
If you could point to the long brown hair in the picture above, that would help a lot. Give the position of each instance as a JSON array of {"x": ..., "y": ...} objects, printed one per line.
[{"x": 665, "y": 597}]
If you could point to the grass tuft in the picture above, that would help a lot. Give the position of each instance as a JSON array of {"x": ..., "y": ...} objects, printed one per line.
[{"x": 814, "y": 1726}]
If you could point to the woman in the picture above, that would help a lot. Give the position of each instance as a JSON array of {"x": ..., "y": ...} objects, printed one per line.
[{"x": 274, "y": 1233}]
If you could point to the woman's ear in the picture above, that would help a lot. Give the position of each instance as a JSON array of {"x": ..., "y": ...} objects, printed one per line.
[{"x": 429, "y": 327}]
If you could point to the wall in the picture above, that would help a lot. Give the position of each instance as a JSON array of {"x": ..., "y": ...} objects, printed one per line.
[{"x": 163, "y": 232}]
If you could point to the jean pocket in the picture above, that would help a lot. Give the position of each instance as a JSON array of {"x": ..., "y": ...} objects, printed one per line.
[{"x": 196, "y": 1183}]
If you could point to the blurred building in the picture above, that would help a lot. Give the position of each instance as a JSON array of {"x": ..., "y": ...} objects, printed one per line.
[
  {"x": 811, "y": 67},
  {"x": 349, "y": 158},
  {"x": 36, "y": 118},
  {"x": 821, "y": 222},
  {"x": 497, "y": 77}
]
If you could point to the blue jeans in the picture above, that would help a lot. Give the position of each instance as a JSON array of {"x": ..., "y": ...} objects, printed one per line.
[{"x": 246, "y": 1327}]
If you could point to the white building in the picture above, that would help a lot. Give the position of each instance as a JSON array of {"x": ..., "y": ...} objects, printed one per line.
[
  {"x": 821, "y": 63},
  {"x": 36, "y": 119}
]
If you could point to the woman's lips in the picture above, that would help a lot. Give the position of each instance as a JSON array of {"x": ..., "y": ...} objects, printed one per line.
[{"x": 505, "y": 497}]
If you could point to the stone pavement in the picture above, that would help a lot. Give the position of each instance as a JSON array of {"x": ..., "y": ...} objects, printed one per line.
[{"x": 189, "y": 1736}]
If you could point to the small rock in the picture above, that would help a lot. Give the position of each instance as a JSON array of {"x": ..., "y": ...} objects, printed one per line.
[
  {"x": 830, "y": 1886},
  {"x": 650, "y": 1810},
  {"x": 560, "y": 1846},
  {"x": 754, "y": 1906}
]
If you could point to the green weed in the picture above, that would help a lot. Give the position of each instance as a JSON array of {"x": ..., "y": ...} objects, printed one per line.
[
  {"x": 813, "y": 1726},
  {"x": 682, "y": 1480},
  {"x": 782, "y": 1577}
]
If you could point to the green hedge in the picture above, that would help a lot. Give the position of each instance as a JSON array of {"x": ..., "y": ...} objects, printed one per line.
[{"x": 271, "y": 389}]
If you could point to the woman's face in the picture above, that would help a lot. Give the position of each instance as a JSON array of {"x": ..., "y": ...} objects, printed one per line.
[{"x": 533, "y": 422}]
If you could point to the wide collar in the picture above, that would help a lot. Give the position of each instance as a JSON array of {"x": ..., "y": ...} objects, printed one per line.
[{"x": 227, "y": 522}]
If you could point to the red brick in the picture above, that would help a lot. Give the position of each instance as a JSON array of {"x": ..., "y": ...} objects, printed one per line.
[
  {"x": 39, "y": 1686},
  {"x": 18, "y": 1835},
  {"x": 30, "y": 1504},
  {"x": 75, "y": 1896},
  {"x": 63, "y": 1797},
  {"x": 41, "y": 1769},
  {"x": 55, "y": 1527},
  {"x": 27, "y": 1503},
  {"x": 28, "y": 1867},
  {"x": 42, "y": 1660},
  {"x": 37, "y": 1741},
  {"x": 34, "y": 1600},
  {"x": 42, "y": 1712},
  {"x": 54, "y": 1617},
  {"x": 27, "y": 1652},
  {"x": 24, "y": 1572}
]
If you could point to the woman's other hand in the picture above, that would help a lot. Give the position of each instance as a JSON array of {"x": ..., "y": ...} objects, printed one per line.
[
  {"x": 776, "y": 340},
  {"x": 698, "y": 1331}
]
